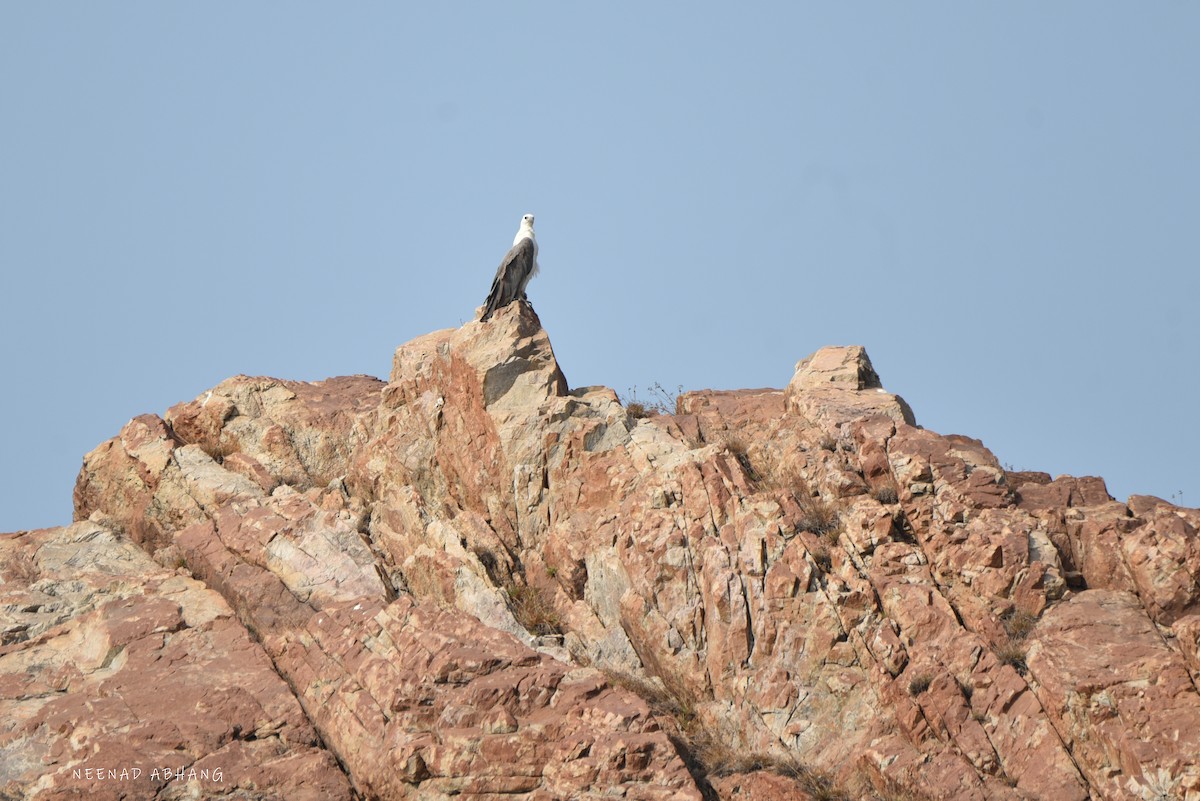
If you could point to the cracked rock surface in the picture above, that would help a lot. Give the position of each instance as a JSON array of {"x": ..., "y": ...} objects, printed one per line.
[
  {"x": 475, "y": 581},
  {"x": 113, "y": 662}
]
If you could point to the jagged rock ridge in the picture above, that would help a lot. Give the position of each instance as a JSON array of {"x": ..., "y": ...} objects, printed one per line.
[{"x": 463, "y": 582}]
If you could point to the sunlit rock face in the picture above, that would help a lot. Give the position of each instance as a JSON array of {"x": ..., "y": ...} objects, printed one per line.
[{"x": 476, "y": 581}]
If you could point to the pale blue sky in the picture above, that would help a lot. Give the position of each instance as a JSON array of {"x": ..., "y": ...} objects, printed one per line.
[{"x": 999, "y": 201}]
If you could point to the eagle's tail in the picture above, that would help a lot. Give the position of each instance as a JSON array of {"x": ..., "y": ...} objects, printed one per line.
[{"x": 493, "y": 301}]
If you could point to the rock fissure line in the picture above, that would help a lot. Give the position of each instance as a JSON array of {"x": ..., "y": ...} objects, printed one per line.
[{"x": 1069, "y": 747}]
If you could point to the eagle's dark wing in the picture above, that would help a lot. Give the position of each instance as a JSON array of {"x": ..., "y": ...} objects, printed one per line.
[{"x": 510, "y": 277}]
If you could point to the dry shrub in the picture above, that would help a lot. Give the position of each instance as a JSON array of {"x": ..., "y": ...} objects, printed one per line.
[
  {"x": 718, "y": 758},
  {"x": 919, "y": 684},
  {"x": 666, "y": 699},
  {"x": 1018, "y": 623},
  {"x": 773, "y": 476},
  {"x": 710, "y": 755},
  {"x": 818, "y": 516},
  {"x": 823, "y": 559},
  {"x": 886, "y": 493},
  {"x": 736, "y": 445},
  {"x": 740, "y": 450},
  {"x": 664, "y": 400},
  {"x": 708, "y": 751},
  {"x": 533, "y": 610},
  {"x": 660, "y": 402},
  {"x": 1012, "y": 653}
]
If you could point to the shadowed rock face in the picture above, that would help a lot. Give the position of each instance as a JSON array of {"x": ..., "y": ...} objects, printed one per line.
[{"x": 364, "y": 574}]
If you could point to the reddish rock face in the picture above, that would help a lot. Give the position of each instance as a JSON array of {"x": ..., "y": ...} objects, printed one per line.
[
  {"x": 1119, "y": 694},
  {"x": 453, "y": 584},
  {"x": 120, "y": 679}
]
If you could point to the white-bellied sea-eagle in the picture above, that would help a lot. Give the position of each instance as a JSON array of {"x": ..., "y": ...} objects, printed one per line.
[{"x": 519, "y": 265}]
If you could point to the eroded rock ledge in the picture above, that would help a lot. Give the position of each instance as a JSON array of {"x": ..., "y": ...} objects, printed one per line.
[{"x": 474, "y": 581}]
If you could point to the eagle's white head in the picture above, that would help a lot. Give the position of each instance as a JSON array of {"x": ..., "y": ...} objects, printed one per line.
[{"x": 526, "y": 229}]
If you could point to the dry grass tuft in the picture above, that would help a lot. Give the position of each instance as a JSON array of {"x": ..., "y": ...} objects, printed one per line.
[
  {"x": 666, "y": 699},
  {"x": 740, "y": 450},
  {"x": 818, "y": 516},
  {"x": 637, "y": 410},
  {"x": 919, "y": 684},
  {"x": 711, "y": 756},
  {"x": 886, "y": 494},
  {"x": 1012, "y": 653},
  {"x": 708, "y": 751},
  {"x": 1018, "y": 623},
  {"x": 775, "y": 474},
  {"x": 823, "y": 559},
  {"x": 720, "y": 759},
  {"x": 533, "y": 609}
]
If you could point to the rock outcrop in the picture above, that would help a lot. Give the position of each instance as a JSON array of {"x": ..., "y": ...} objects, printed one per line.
[
  {"x": 120, "y": 678},
  {"x": 476, "y": 581}
]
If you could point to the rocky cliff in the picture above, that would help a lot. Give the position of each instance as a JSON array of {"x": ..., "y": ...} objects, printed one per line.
[{"x": 476, "y": 581}]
